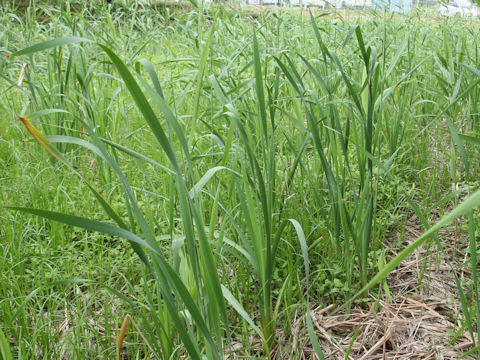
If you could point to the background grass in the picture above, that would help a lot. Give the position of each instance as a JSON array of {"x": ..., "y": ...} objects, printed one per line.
[{"x": 342, "y": 125}]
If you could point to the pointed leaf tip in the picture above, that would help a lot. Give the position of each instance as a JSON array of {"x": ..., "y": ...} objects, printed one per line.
[{"x": 48, "y": 45}]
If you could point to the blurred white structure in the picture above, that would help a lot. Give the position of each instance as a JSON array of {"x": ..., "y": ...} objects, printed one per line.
[
  {"x": 265, "y": 2},
  {"x": 350, "y": 3},
  {"x": 319, "y": 3},
  {"x": 463, "y": 8}
]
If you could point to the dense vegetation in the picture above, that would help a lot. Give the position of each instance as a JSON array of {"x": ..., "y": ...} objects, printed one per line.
[{"x": 215, "y": 173}]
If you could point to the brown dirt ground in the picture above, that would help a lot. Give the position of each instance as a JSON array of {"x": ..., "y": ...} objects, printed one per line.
[{"x": 419, "y": 322}]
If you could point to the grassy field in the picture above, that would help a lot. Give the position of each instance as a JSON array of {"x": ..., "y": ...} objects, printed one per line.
[{"x": 202, "y": 182}]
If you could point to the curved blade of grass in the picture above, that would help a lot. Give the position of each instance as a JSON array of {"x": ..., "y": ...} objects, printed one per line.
[
  {"x": 241, "y": 311},
  {"x": 136, "y": 155},
  {"x": 23, "y": 304},
  {"x": 469, "y": 352},
  {"x": 5, "y": 352},
  {"x": 259, "y": 87},
  {"x": 153, "y": 75},
  {"x": 81, "y": 142},
  {"x": 187, "y": 209},
  {"x": 400, "y": 51},
  {"x": 45, "y": 112},
  {"x": 240, "y": 249},
  {"x": 197, "y": 188},
  {"x": 143, "y": 106},
  {"x": 171, "y": 119},
  {"x": 87, "y": 224},
  {"x": 48, "y": 45},
  {"x": 43, "y": 141},
  {"x": 468, "y": 204},
  {"x": 64, "y": 139},
  {"x": 471, "y": 139},
  {"x": 361, "y": 43},
  {"x": 109, "y": 229},
  {"x": 306, "y": 264},
  {"x": 199, "y": 85},
  {"x": 459, "y": 143},
  {"x": 473, "y": 70}
]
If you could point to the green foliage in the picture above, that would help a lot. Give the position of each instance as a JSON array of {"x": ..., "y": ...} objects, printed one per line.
[{"x": 200, "y": 137}]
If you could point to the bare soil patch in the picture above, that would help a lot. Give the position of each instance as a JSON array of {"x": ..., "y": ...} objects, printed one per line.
[{"x": 420, "y": 321}]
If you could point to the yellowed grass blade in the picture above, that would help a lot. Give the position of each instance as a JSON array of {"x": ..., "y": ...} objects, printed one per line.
[
  {"x": 47, "y": 145},
  {"x": 123, "y": 330}
]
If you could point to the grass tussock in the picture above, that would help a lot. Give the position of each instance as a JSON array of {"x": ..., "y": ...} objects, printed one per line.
[{"x": 216, "y": 178}]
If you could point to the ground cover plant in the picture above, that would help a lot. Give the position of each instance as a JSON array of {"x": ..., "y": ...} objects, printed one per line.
[{"x": 198, "y": 181}]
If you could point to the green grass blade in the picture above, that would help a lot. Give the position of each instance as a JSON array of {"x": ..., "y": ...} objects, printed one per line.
[
  {"x": 469, "y": 138},
  {"x": 197, "y": 188},
  {"x": 23, "y": 304},
  {"x": 45, "y": 112},
  {"x": 468, "y": 204},
  {"x": 143, "y": 106},
  {"x": 48, "y": 45},
  {"x": 241, "y": 311},
  {"x": 459, "y": 143},
  {"x": 43, "y": 141},
  {"x": 87, "y": 224},
  {"x": 5, "y": 352},
  {"x": 81, "y": 142},
  {"x": 473, "y": 70},
  {"x": 259, "y": 87},
  {"x": 306, "y": 264},
  {"x": 63, "y": 139},
  {"x": 200, "y": 75},
  {"x": 400, "y": 51},
  {"x": 171, "y": 120},
  {"x": 153, "y": 75},
  {"x": 109, "y": 229}
]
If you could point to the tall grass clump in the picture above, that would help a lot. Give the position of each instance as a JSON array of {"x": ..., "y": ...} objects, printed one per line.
[
  {"x": 191, "y": 301},
  {"x": 258, "y": 166},
  {"x": 178, "y": 303},
  {"x": 349, "y": 136}
]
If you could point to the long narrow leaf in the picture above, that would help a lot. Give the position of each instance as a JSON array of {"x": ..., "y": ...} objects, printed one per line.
[
  {"x": 48, "y": 45},
  {"x": 468, "y": 204}
]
